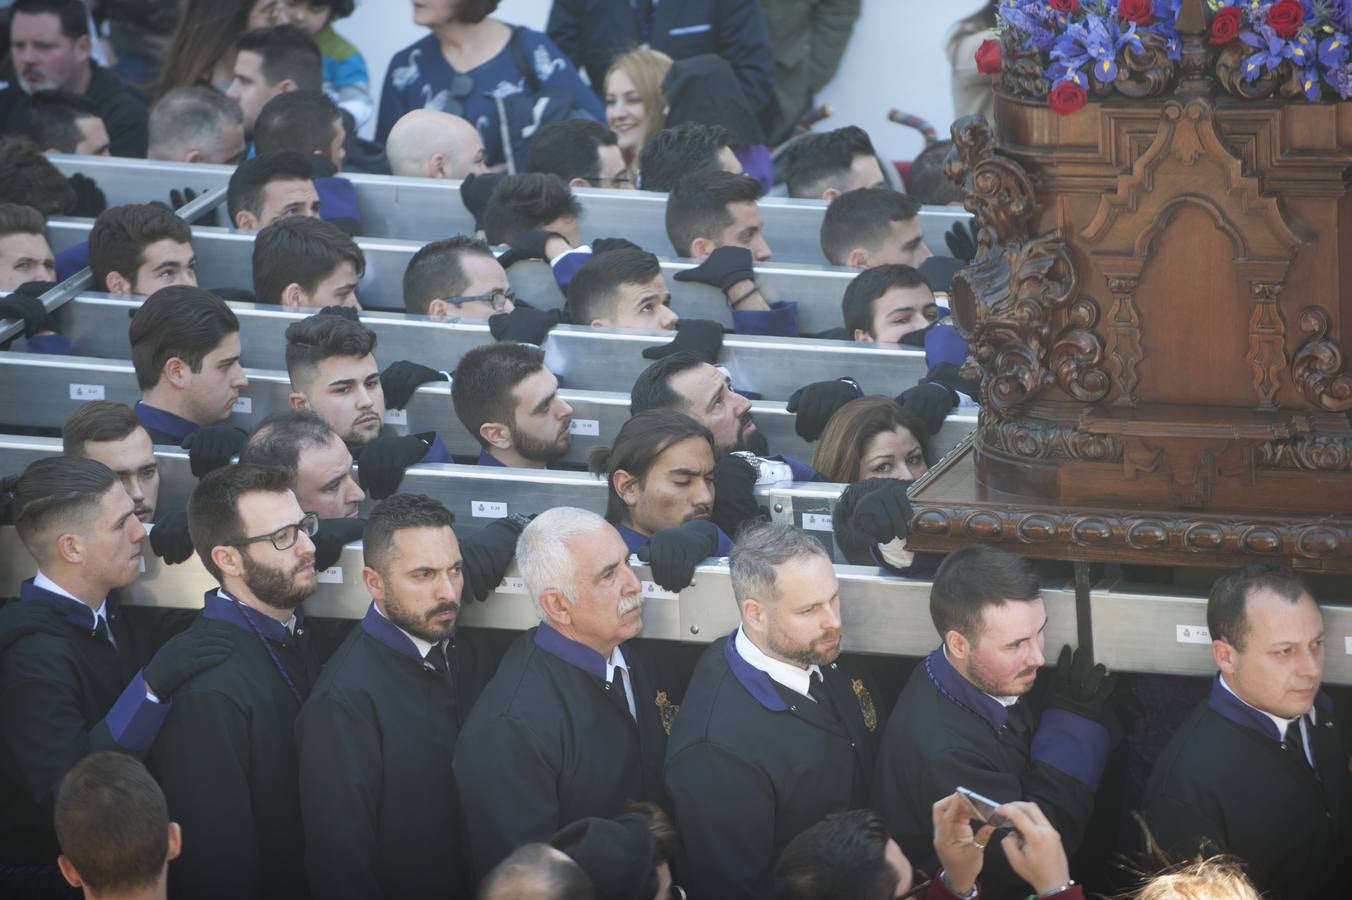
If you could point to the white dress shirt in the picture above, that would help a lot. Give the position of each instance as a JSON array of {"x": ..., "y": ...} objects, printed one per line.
[
  {"x": 616, "y": 661},
  {"x": 1283, "y": 723},
  {"x": 786, "y": 674},
  {"x": 40, "y": 580}
]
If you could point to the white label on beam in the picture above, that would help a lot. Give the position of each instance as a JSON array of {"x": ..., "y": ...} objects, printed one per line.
[
  {"x": 585, "y": 427},
  {"x": 651, "y": 591},
  {"x": 396, "y": 417},
  {"x": 488, "y": 509},
  {"x": 243, "y": 406},
  {"x": 1192, "y": 634},
  {"x": 331, "y": 575},
  {"x": 512, "y": 584},
  {"x": 86, "y": 392},
  {"x": 817, "y": 522},
  {"x": 1347, "y": 644}
]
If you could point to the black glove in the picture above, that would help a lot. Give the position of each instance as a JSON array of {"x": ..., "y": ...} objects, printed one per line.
[
  {"x": 529, "y": 244},
  {"x": 380, "y": 468},
  {"x": 735, "y": 494},
  {"x": 474, "y": 193},
  {"x": 180, "y": 199},
  {"x": 487, "y": 554},
  {"x": 605, "y": 245},
  {"x": 524, "y": 325},
  {"x": 170, "y": 540},
  {"x": 19, "y": 620},
  {"x": 1080, "y": 686},
  {"x": 213, "y": 446},
  {"x": 950, "y": 376},
  {"x": 816, "y": 403},
  {"x": 27, "y": 308},
  {"x": 725, "y": 267},
  {"x": 401, "y": 378},
  {"x": 332, "y": 536},
  {"x": 89, "y": 200},
  {"x": 698, "y": 336},
  {"x": 884, "y": 513},
  {"x": 184, "y": 656},
  {"x": 673, "y": 553},
  {"x": 929, "y": 402},
  {"x": 961, "y": 240},
  {"x": 351, "y": 313}
]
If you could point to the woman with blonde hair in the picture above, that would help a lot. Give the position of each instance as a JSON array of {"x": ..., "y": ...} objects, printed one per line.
[{"x": 635, "y": 106}]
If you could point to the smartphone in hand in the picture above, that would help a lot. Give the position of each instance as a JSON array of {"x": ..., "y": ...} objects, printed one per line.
[{"x": 985, "y": 810}]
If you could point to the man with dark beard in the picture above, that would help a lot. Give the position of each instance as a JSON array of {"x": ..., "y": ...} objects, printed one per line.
[
  {"x": 965, "y": 718},
  {"x": 390, "y": 704},
  {"x": 773, "y": 733},
  {"x": 509, "y": 401},
  {"x": 226, "y": 757}
]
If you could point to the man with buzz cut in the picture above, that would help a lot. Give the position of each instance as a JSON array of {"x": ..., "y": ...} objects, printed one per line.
[{"x": 1259, "y": 770}]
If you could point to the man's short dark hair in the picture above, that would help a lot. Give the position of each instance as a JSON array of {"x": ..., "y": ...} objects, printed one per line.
[
  {"x": 190, "y": 116},
  {"x": 842, "y": 857},
  {"x": 698, "y": 206},
  {"x": 522, "y": 202},
  {"x": 72, "y": 14},
  {"x": 482, "y": 385},
  {"x": 97, "y": 421},
  {"x": 252, "y": 176},
  {"x": 595, "y": 286},
  {"x": 213, "y": 507},
  {"x": 287, "y": 52},
  {"x": 926, "y": 180},
  {"x": 396, "y": 513},
  {"x": 570, "y": 149},
  {"x": 863, "y": 218},
  {"x": 641, "y": 440},
  {"x": 866, "y": 287},
  {"x": 435, "y": 272},
  {"x": 300, "y": 250},
  {"x": 537, "y": 870},
  {"x": 278, "y": 440},
  {"x": 652, "y": 389},
  {"x": 54, "y": 492},
  {"x": 112, "y": 823},
  {"x": 678, "y": 152},
  {"x": 120, "y": 235},
  {"x": 817, "y": 162},
  {"x": 338, "y": 9},
  {"x": 49, "y": 118},
  {"x": 28, "y": 177},
  {"x": 319, "y": 337},
  {"x": 15, "y": 218},
  {"x": 304, "y": 121},
  {"x": 1226, "y": 608},
  {"x": 974, "y": 577},
  {"x": 177, "y": 322}
]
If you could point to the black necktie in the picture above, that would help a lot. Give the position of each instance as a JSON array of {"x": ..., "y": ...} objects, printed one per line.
[
  {"x": 1295, "y": 740},
  {"x": 816, "y": 688},
  {"x": 436, "y": 656},
  {"x": 617, "y": 689},
  {"x": 101, "y": 630}
]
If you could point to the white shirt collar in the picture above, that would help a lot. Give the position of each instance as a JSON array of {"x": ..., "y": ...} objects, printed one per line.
[
  {"x": 790, "y": 676},
  {"x": 40, "y": 580},
  {"x": 423, "y": 647},
  {"x": 289, "y": 624},
  {"x": 1276, "y": 720}
]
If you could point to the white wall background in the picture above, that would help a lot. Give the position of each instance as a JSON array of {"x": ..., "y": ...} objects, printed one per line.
[{"x": 895, "y": 59}]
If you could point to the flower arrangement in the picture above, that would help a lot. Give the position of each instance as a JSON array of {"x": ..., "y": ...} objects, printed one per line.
[{"x": 1301, "y": 45}]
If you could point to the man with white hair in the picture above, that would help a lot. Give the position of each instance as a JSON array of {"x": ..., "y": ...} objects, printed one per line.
[
  {"x": 428, "y": 143},
  {"x": 569, "y": 726}
]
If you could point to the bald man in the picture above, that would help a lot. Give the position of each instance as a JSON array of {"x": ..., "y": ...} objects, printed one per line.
[{"x": 427, "y": 143}]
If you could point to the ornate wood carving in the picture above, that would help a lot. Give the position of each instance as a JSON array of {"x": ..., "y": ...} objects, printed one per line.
[
  {"x": 1267, "y": 343},
  {"x": 1322, "y": 453},
  {"x": 1318, "y": 365},
  {"x": 1077, "y": 355},
  {"x": 1042, "y": 441},
  {"x": 1124, "y": 342}
]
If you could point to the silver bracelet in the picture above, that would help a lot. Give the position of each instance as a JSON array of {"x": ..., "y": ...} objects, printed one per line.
[
  {"x": 1057, "y": 890},
  {"x": 970, "y": 895}
]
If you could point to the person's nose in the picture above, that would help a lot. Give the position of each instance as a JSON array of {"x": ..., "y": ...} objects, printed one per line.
[
  {"x": 667, "y": 318},
  {"x": 923, "y": 253},
  {"x": 760, "y": 250},
  {"x": 352, "y": 493},
  {"x": 240, "y": 380},
  {"x": 365, "y": 398},
  {"x": 138, "y": 531},
  {"x": 702, "y": 496},
  {"x": 565, "y": 409},
  {"x": 740, "y": 405}
]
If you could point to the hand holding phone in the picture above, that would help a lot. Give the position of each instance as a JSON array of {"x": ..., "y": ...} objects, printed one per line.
[{"x": 985, "y": 809}]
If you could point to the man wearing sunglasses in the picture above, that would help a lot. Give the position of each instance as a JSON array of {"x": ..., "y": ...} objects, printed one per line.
[{"x": 226, "y": 756}]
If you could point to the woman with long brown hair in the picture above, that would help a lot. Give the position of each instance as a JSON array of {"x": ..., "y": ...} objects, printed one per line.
[{"x": 202, "y": 50}]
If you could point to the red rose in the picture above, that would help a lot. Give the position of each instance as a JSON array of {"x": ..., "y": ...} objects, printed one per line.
[
  {"x": 988, "y": 57},
  {"x": 1066, "y": 97},
  {"x": 1286, "y": 17},
  {"x": 1225, "y": 25},
  {"x": 1065, "y": 6},
  {"x": 1142, "y": 12}
]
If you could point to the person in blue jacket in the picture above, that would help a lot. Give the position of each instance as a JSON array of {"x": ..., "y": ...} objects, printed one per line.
[{"x": 492, "y": 74}]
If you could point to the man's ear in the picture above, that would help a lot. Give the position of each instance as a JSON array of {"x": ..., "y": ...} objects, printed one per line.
[
  {"x": 284, "y": 86},
  {"x": 375, "y": 585},
  {"x": 297, "y": 400},
  {"x": 177, "y": 372},
  {"x": 246, "y": 221},
  {"x": 957, "y": 644},
  {"x": 830, "y": 194},
  {"x": 701, "y": 248},
  {"x": 227, "y": 559},
  {"x": 753, "y": 614},
  {"x": 69, "y": 549},
  {"x": 175, "y": 836},
  {"x": 292, "y": 296},
  {"x": 437, "y": 167},
  {"x": 193, "y": 156},
  {"x": 68, "y": 871},
  {"x": 862, "y": 335},
  {"x": 556, "y": 606},
  {"x": 602, "y": 323},
  {"x": 497, "y": 434},
  {"x": 116, "y": 283},
  {"x": 1223, "y": 653},
  {"x": 626, "y": 486},
  {"x": 439, "y": 309},
  {"x": 858, "y": 258},
  {"x": 83, "y": 47},
  {"x": 579, "y": 183}
]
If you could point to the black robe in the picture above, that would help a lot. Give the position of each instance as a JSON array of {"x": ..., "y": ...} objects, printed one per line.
[
  {"x": 550, "y": 742},
  {"x": 751, "y": 764},
  {"x": 1228, "y": 779}
]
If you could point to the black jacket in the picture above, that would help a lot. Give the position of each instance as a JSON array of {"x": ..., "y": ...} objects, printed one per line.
[
  {"x": 593, "y": 32},
  {"x": 376, "y": 738},
  {"x": 945, "y": 733},
  {"x": 123, "y": 113},
  {"x": 751, "y": 764},
  {"x": 226, "y": 759},
  {"x": 550, "y": 742},
  {"x": 1227, "y": 778},
  {"x": 62, "y": 698}
]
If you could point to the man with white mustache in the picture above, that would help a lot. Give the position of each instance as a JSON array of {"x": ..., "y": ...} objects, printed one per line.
[{"x": 569, "y": 727}]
